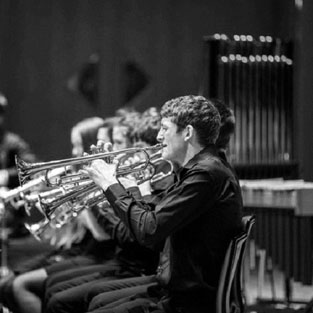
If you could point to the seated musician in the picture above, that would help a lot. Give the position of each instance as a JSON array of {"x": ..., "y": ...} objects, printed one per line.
[
  {"x": 11, "y": 144},
  {"x": 125, "y": 264},
  {"x": 128, "y": 292},
  {"x": 200, "y": 213},
  {"x": 67, "y": 295},
  {"x": 73, "y": 239}
]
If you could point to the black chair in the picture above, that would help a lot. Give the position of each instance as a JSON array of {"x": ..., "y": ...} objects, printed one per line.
[{"x": 230, "y": 292}]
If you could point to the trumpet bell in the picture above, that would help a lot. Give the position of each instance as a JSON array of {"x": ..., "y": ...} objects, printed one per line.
[
  {"x": 36, "y": 222},
  {"x": 38, "y": 229},
  {"x": 22, "y": 169}
]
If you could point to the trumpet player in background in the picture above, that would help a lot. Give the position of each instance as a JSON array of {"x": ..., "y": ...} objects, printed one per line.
[
  {"x": 11, "y": 215},
  {"x": 26, "y": 286},
  {"x": 71, "y": 240},
  {"x": 82, "y": 135},
  {"x": 11, "y": 144},
  {"x": 66, "y": 294},
  {"x": 105, "y": 290}
]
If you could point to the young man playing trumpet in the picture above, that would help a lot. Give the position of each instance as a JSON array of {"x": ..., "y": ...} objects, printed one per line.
[
  {"x": 114, "y": 293},
  {"x": 200, "y": 212}
]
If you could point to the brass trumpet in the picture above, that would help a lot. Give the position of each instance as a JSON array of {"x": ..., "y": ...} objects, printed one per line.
[
  {"x": 84, "y": 192},
  {"x": 62, "y": 209},
  {"x": 51, "y": 218},
  {"x": 38, "y": 229},
  {"x": 153, "y": 177},
  {"x": 73, "y": 198},
  {"x": 34, "y": 199},
  {"x": 161, "y": 175},
  {"x": 16, "y": 196},
  {"x": 33, "y": 207},
  {"x": 42, "y": 227},
  {"x": 26, "y": 170},
  {"x": 87, "y": 194}
]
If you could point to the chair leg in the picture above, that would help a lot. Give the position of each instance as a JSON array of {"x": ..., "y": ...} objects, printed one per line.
[
  {"x": 261, "y": 273},
  {"x": 270, "y": 269},
  {"x": 252, "y": 254},
  {"x": 288, "y": 289},
  {"x": 249, "y": 265}
]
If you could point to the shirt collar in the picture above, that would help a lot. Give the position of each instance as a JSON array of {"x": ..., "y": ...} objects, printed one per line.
[
  {"x": 203, "y": 154},
  {"x": 209, "y": 151}
]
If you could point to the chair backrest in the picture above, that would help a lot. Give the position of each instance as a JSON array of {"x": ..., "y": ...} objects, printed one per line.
[{"x": 230, "y": 291}]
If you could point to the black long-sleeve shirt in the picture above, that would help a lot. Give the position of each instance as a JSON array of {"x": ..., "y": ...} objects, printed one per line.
[
  {"x": 201, "y": 212},
  {"x": 142, "y": 259}
]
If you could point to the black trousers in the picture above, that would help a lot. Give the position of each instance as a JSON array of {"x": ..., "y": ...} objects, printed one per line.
[
  {"x": 6, "y": 283},
  {"x": 74, "y": 295},
  {"x": 67, "y": 279},
  {"x": 102, "y": 294},
  {"x": 132, "y": 305}
]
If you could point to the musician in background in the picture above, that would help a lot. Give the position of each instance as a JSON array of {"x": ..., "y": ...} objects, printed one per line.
[
  {"x": 105, "y": 132},
  {"x": 26, "y": 286},
  {"x": 68, "y": 295},
  {"x": 82, "y": 135},
  {"x": 117, "y": 127},
  {"x": 73, "y": 239},
  {"x": 200, "y": 213},
  {"x": 11, "y": 144}
]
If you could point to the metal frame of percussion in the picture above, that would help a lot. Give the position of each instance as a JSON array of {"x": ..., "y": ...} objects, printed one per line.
[
  {"x": 284, "y": 227},
  {"x": 254, "y": 76}
]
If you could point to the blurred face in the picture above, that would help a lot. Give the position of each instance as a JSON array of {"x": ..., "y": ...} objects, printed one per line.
[
  {"x": 176, "y": 146},
  {"x": 103, "y": 134},
  {"x": 141, "y": 144},
  {"x": 77, "y": 144},
  {"x": 120, "y": 140}
]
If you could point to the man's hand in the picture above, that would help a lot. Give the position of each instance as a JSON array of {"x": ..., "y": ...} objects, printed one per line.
[
  {"x": 101, "y": 172},
  {"x": 4, "y": 177}
]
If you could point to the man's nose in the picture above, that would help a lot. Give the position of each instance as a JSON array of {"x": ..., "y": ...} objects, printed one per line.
[{"x": 159, "y": 137}]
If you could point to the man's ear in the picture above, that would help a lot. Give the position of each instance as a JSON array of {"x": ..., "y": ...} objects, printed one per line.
[{"x": 189, "y": 132}]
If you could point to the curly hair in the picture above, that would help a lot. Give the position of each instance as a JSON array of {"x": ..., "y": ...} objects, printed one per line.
[
  {"x": 227, "y": 123},
  {"x": 129, "y": 121},
  {"x": 196, "y": 111},
  {"x": 148, "y": 126}
]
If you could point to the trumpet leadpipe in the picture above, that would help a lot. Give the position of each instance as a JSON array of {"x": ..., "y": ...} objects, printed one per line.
[
  {"x": 49, "y": 206},
  {"x": 26, "y": 170}
]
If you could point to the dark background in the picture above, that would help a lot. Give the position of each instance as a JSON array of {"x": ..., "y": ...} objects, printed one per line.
[{"x": 45, "y": 43}]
